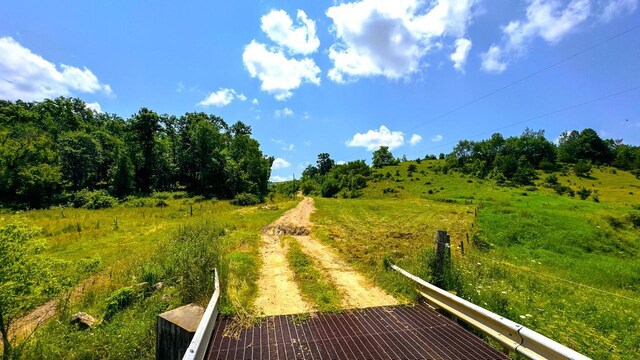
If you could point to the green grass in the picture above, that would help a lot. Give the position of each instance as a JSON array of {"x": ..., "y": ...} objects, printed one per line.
[
  {"x": 149, "y": 245},
  {"x": 315, "y": 288},
  {"x": 533, "y": 248}
]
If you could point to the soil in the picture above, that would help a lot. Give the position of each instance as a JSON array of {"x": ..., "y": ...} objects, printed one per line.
[{"x": 278, "y": 293}]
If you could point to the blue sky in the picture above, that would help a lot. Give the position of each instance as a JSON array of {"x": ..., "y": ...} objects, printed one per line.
[{"x": 333, "y": 76}]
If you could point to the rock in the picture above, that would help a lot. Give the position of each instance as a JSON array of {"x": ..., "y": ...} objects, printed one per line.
[
  {"x": 269, "y": 207},
  {"x": 166, "y": 297},
  {"x": 142, "y": 284},
  {"x": 158, "y": 285},
  {"x": 83, "y": 320}
]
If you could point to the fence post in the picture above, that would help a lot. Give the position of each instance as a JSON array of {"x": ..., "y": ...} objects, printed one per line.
[
  {"x": 191, "y": 208},
  {"x": 462, "y": 247}
]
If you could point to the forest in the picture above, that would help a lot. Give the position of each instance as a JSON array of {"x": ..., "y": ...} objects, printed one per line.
[{"x": 59, "y": 151}]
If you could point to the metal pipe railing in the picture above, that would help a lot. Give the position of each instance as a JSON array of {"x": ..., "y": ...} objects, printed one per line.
[
  {"x": 200, "y": 342},
  {"x": 512, "y": 335}
]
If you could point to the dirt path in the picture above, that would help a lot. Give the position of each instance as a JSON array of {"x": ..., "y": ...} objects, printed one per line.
[{"x": 278, "y": 293}]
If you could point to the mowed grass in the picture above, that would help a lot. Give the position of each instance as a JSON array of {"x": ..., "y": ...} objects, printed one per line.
[
  {"x": 565, "y": 267},
  {"x": 143, "y": 249},
  {"x": 316, "y": 289}
]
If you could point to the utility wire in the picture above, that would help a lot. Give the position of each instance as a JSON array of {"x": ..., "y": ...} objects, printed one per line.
[
  {"x": 558, "y": 111},
  {"x": 511, "y": 84}
]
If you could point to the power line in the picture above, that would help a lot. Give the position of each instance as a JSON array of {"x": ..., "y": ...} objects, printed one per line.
[
  {"x": 554, "y": 112},
  {"x": 511, "y": 84}
]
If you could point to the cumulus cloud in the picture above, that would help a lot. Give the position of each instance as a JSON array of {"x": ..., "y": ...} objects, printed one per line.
[
  {"x": 492, "y": 60},
  {"x": 459, "y": 57},
  {"x": 279, "y": 75},
  {"x": 615, "y": 8},
  {"x": 28, "y": 76},
  {"x": 373, "y": 139},
  {"x": 278, "y": 178},
  {"x": 546, "y": 19},
  {"x": 415, "y": 139},
  {"x": 286, "y": 112},
  {"x": 280, "y": 163},
  {"x": 95, "y": 107},
  {"x": 437, "y": 138},
  {"x": 390, "y": 38},
  {"x": 299, "y": 39},
  {"x": 255, "y": 102},
  {"x": 222, "y": 97}
]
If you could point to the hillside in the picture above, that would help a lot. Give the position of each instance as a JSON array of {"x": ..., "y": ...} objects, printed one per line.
[{"x": 566, "y": 267}]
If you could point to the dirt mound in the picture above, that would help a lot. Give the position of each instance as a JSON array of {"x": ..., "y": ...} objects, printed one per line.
[{"x": 287, "y": 230}]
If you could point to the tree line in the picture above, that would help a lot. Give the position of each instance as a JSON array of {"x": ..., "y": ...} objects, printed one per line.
[
  {"x": 516, "y": 158},
  {"x": 52, "y": 149}
]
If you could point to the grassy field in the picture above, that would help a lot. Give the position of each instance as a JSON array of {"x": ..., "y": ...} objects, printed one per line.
[
  {"x": 566, "y": 267},
  {"x": 129, "y": 250}
]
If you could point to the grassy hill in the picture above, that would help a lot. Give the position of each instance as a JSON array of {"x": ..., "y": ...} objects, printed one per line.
[{"x": 566, "y": 267}]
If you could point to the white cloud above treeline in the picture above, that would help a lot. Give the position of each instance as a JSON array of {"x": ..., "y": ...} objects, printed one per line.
[
  {"x": 551, "y": 21},
  {"x": 299, "y": 39},
  {"x": 28, "y": 76},
  {"x": 222, "y": 97},
  {"x": 280, "y": 163},
  {"x": 95, "y": 107},
  {"x": 373, "y": 139},
  {"x": 278, "y": 73},
  {"x": 391, "y": 38}
]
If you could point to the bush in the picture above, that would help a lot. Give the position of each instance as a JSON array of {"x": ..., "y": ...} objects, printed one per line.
[
  {"x": 584, "y": 193},
  {"x": 551, "y": 180},
  {"x": 634, "y": 218},
  {"x": 245, "y": 199},
  {"x": 161, "y": 203},
  {"x": 329, "y": 188},
  {"x": 390, "y": 190},
  {"x": 99, "y": 199},
  {"x": 119, "y": 300},
  {"x": 582, "y": 168},
  {"x": 133, "y": 202},
  {"x": 309, "y": 187}
]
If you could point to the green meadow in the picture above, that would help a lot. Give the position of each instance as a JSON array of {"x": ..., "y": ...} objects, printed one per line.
[{"x": 565, "y": 267}]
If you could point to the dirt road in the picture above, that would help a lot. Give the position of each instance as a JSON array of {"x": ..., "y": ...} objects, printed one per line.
[{"x": 278, "y": 293}]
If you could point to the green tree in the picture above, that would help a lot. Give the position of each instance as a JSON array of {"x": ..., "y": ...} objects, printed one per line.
[
  {"x": 325, "y": 163},
  {"x": 80, "y": 157},
  {"x": 383, "y": 157},
  {"x": 24, "y": 277},
  {"x": 144, "y": 127}
]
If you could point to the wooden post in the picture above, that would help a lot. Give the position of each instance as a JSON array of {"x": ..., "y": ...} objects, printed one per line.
[
  {"x": 175, "y": 331},
  {"x": 443, "y": 254},
  {"x": 462, "y": 247},
  {"x": 467, "y": 238},
  {"x": 191, "y": 207}
]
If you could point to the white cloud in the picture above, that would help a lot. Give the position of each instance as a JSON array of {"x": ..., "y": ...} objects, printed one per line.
[
  {"x": 459, "y": 57},
  {"x": 222, "y": 97},
  {"x": 279, "y": 75},
  {"x": 300, "y": 39},
  {"x": 255, "y": 102},
  {"x": 615, "y": 8},
  {"x": 277, "y": 178},
  {"x": 28, "y": 76},
  {"x": 437, "y": 138},
  {"x": 390, "y": 38},
  {"x": 373, "y": 139},
  {"x": 547, "y": 19},
  {"x": 286, "y": 112},
  {"x": 492, "y": 60},
  {"x": 415, "y": 139},
  {"x": 180, "y": 87},
  {"x": 341, "y": 162},
  {"x": 280, "y": 163},
  {"x": 94, "y": 106}
]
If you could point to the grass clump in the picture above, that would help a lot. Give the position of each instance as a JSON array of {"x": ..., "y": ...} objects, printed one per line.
[
  {"x": 246, "y": 199},
  {"x": 314, "y": 286}
]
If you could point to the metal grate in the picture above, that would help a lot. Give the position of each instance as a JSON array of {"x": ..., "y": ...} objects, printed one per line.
[{"x": 389, "y": 332}]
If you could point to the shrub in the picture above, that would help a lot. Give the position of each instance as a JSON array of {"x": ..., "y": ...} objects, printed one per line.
[
  {"x": 99, "y": 199},
  {"x": 329, "y": 188},
  {"x": 309, "y": 187},
  {"x": 582, "y": 168},
  {"x": 119, "y": 300},
  {"x": 634, "y": 218},
  {"x": 584, "y": 193},
  {"x": 161, "y": 203},
  {"x": 133, "y": 202},
  {"x": 245, "y": 199},
  {"x": 390, "y": 190},
  {"x": 551, "y": 180}
]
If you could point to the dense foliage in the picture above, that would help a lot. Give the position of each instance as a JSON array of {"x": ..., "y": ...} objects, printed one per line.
[
  {"x": 52, "y": 149},
  {"x": 516, "y": 158},
  {"x": 329, "y": 180}
]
